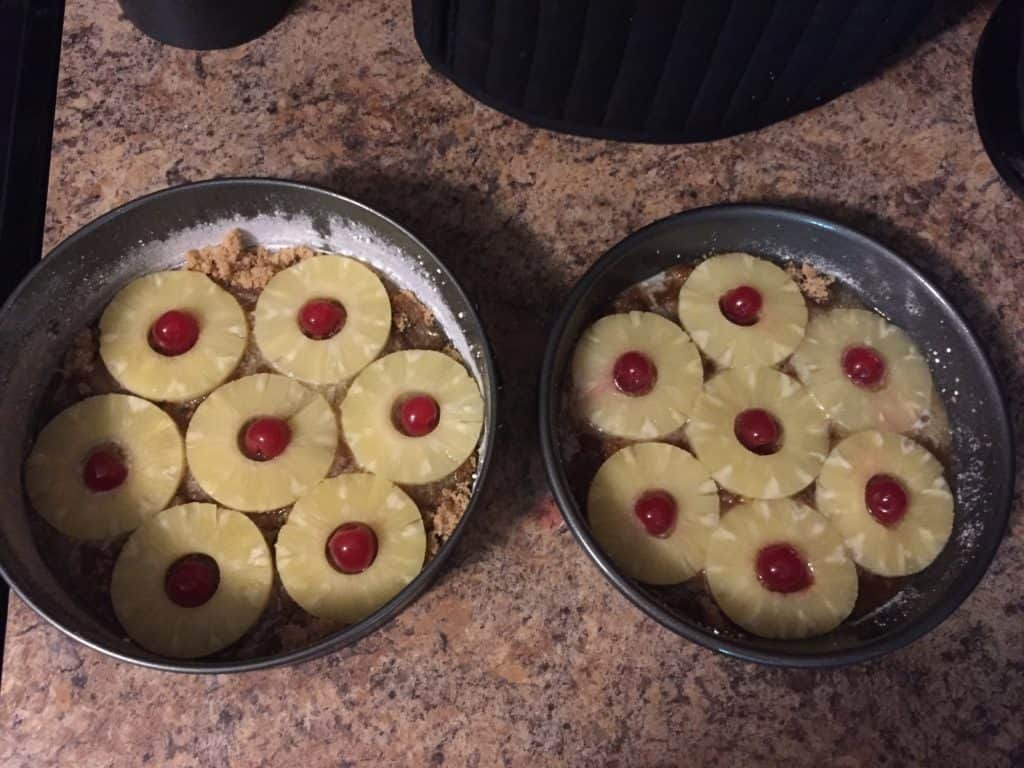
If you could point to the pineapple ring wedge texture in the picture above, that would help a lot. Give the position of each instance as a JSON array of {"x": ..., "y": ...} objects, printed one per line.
[
  {"x": 232, "y": 478},
  {"x": 780, "y": 323},
  {"x": 679, "y": 375},
  {"x": 732, "y": 577},
  {"x": 621, "y": 480},
  {"x": 380, "y": 447},
  {"x": 124, "y": 336},
  {"x": 906, "y": 392},
  {"x": 309, "y": 577},
  {"x": 920, "y": 535},
  {"x": 246, "y": 573},
  {"x": 147, "y": 440},
  {"x": 804, "y": 439},
  {"x": 338, "y": 357}
]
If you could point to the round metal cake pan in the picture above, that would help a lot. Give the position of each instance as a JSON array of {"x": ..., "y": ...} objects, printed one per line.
[
  {"x": 68, "y": 290},
  {"x": 982, "y": 463}
]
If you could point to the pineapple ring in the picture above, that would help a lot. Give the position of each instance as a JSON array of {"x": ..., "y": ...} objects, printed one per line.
[
  {"x": 780, "y": 324},
  {"x": 621, "y": 480},
  {"x": 916, "y": 540},
  {"x": 232, "y": 478},
  {"x": 732, "y": 576},
  {"x": 906, "y": 392},
  {"x": 712, "y": 433},
  {"x": 151, "y": 447},
  {"x": 124, "y": 336},
  {"x": 309, "y": 577},
  {"x": 661, "y": 411},
  {"x": 338, "y": 357},
  {"x": 380, "y": 447},
  {"x": 140, "y": 599}
]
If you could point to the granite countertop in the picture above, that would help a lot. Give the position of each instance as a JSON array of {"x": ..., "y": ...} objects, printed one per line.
[{"x": 522, "y": 654}]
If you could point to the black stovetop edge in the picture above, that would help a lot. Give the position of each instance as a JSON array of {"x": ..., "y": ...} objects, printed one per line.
[{"x": 30, "y": 39}]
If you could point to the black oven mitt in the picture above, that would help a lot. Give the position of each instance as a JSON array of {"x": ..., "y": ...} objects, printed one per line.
[{"x": 660, "y": 70}]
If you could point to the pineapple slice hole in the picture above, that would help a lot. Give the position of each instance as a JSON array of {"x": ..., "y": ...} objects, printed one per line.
[
  {"x": 192, "y": 580},
  {"x": 741, "y": 305},
  {"x": 864, "y": 366},
  {"x": 322, "y": 318},
  {"x": 105, "y": 468},
  {"x": 415, "y": 415},
  {"x": 264, "y": 438},
  {"x": 758, "y": 431},
  {"x": 352, "y": 547},
  {"x": 174, "y": 333}
]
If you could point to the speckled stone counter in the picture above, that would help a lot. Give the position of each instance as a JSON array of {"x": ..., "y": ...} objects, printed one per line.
[{"x": 522, "y": 654}]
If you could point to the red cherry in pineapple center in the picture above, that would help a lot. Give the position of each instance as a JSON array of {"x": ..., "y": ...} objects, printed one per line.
[
  {"x": 780, "y": 568},
  {"x": 104, "y": 470},
  {"x": 174, "y": 333},
  {"x": 321, "y": 318},
  {"x": 863, "y": 366},
  {"x": 634, "y": 374},
  {"x": 886, "y": 499},
  {"x": 352, "y": 548},
  {"x": 192, "y": 580},
  {"x": 657, "y": 511},
  {"x": 741, "y": 305},
  {"x": 758, "y": 431},
  {"x": 417, "y": 415},
  {"x": 266, "y": 438}
]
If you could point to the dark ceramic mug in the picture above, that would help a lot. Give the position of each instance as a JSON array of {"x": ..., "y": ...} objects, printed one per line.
[{"x": 204, "y": 24}]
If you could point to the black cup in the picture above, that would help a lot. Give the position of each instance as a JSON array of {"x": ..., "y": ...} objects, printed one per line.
[{"x": 204, "y": 24}]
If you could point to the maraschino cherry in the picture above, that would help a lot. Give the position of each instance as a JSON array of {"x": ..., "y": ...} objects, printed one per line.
[
  {"x": 634, "y": 374},
  {"x": 758, "y": 431},
  {"x": 174, "y": 333},
  {"x": 780, "y": 568},
  {"x": 352, "y": 548},
  {"x": 192, "y": 580},
  {"x": 863, "y": 366},
  {"x": 104, "y": 470},
  {"x": 657, "y": 511},
  {"x": 886, "y": 499},
  {"x": 321, "y": 318},
  {"x": 741, "y": 305},
  {"x": 266, "y": 438},
  {"x": 418, "y": 415}
]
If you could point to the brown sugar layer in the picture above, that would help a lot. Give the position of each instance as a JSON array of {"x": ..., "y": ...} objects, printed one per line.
[
  {"x": 813, "y": 284},
  {"x": 84, "y": 568},
  {"x": 234, "y": 264}
]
